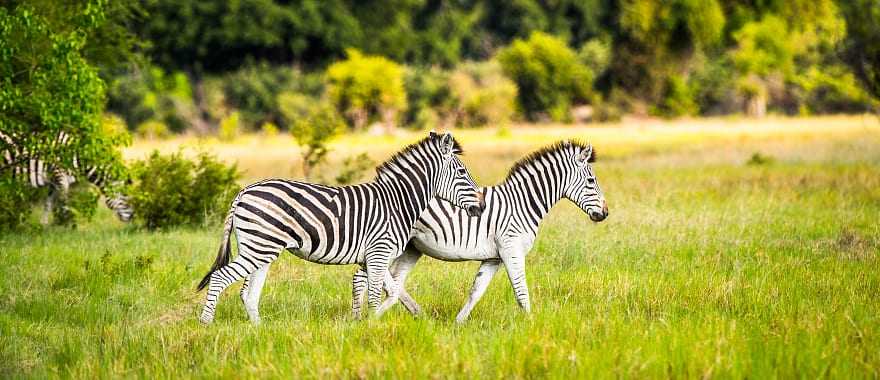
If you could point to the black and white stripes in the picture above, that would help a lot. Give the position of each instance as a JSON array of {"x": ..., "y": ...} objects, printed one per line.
[
  {"x": 505, "y": 232},
  {"x": 38, "y": 173},
  {"x": 366, "y": 224}
]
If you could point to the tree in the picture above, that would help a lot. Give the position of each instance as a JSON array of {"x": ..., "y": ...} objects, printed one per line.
[
  {"x": 862, "y": 43},
  {"x": 313, "y": 124},
  {"x": 548, "y": 74},
  {"x": 47, "y": 87},
  {"x": 367, "y": 87}
]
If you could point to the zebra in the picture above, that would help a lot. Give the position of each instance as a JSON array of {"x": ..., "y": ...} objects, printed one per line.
[
  {"x": 506, "y": 231},
  {"x": 39, "y": 173},
  {"x": 366, "y": 224}
]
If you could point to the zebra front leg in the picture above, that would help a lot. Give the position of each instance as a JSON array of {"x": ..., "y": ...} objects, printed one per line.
[
  {"x": 358, "y": 289},
  {"x": 377, "y": 271},
  {"x": 516, "y": 271},
  {"x": 481, "y": 282},
  {"x": 393, "y": 290}
]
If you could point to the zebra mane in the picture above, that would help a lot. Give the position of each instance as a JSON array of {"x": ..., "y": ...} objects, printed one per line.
[
  {"x": 386, "y": 166},
  {"x": 546, "y": 151}
]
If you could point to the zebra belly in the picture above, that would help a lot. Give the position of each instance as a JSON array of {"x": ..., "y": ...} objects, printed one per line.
[{"x": 483, "y": 249}]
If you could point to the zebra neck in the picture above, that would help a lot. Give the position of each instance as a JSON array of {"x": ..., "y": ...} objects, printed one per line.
[
  {"x": 533, "y": 196},
  {"x": 409, "y": 194}
]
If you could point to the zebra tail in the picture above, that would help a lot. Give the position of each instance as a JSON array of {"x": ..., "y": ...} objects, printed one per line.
[{"x": 223, "y": 254}]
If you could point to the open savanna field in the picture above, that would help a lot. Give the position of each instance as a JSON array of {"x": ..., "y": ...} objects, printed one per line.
[{"x": 734, "y": 248}]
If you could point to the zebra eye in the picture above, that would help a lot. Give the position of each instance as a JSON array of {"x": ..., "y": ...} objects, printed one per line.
[
  {"x": 591, "y": 180},
  {"x": 461, "y": 172}
]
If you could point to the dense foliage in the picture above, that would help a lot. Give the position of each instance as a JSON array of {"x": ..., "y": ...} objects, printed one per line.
[
  {"x": 172, "y": 190},
  {"x": 47, "y": 86}
]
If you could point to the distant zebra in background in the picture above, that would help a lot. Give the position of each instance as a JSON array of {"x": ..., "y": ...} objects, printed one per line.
[
  {"x": 366, "y": 224},
  {"x": 38, "y": 173},
  {"x": 506, "y": 231}
]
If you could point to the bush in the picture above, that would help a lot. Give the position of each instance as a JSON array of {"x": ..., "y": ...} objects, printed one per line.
[
  {"x": 172, "y": 191},
  {"x": 152, "y": 129},
  {"x": 678, "y": 99},
  {"x": 80, "y": 205},
  {"x": 313, "y": 124},
  {"x": 151, "y": 94},
  {"x": 229, "y": 127},
  {"x": 548, "y": 74},
  {"x": 16, "y": 201},
  {"x": 353, "y": 169},
  {"x": 429, "y": 101},
  {"x": 482, "y": 95},
  {"x": 254, "y": 91},
  {"x": 367, "y": 88}
]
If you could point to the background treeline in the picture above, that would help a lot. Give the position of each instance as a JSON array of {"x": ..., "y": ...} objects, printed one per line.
[{"x": 246, "y": 64}]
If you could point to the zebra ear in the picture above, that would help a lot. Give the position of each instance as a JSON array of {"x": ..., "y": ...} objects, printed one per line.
[
  {"x": 447, "y": 144},
  {"x": 432, "y": 134},
  {"x": 585, "y": 156}
]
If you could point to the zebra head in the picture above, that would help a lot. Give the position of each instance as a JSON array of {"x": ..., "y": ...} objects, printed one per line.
[
  {"x": 582, "y": 187},
  {"x": 455, "y": 183}
]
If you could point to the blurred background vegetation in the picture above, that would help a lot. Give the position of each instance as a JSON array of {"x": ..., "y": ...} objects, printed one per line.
[
  {"x": 225, "y": 67},
  {"x": 317, "y": 69}
]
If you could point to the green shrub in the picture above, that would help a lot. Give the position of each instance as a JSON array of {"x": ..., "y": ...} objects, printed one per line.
[
  {"x": 596, "y": 55},
  {"x": 80, "y": 205},
  {"x": 313, "y": 124},
  {"x": 548, "y": 74},
  {"x": 229, "y": 127},
  {"x": 152, "y": 94},
  {"x": 254, "y": 91},
  {"x": 172, "y": 191},
  {"x": 678, "y": 99},
  {"x": 16, "y": 202},
  {"x": 353, "y": 169},
  {"x": 482, "y": 95},
  {"x": 831, "y": 89},
  {"x": 152, "y": 129},
  {"x": 269, "y": 129},
  {"x": 367, "y": 88},
  {"x": 429, "y": 101}
]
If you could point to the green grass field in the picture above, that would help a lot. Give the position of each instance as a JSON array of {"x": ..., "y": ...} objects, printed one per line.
[{"x": 707, "y": 267}]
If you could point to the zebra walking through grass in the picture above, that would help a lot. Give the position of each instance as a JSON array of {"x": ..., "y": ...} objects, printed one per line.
[
  {"x": 506, "y": 231},
  {"x": 366, "y": 224},
  {"x": 39, "y": 173}
]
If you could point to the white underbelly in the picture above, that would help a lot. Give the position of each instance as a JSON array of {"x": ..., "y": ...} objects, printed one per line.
[{"x": 484, "y": 249}]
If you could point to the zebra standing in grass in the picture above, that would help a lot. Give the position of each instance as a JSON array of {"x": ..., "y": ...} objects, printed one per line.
[
  {"x": 506, "y": 231},
  {"x": 39, "y": 173},
  {"x": 366, "y": 224}
]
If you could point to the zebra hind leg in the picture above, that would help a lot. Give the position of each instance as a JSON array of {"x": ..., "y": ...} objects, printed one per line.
[
  {"x": 242, "y": 266},
  {"x": 255, "y": 288}
]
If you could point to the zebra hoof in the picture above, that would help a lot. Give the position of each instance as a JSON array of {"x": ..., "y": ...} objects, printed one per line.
[{"x": 206, "y": 320}]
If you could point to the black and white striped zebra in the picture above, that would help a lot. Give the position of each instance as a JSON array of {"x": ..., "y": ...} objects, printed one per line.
[
  {"x": 39, "y": 173},
  {"x": 366, "y": 224},
  {"x": 505, "y": 232}
]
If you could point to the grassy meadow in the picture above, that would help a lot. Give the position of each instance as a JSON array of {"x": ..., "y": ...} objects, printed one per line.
[{"x": 734, "y": 248}]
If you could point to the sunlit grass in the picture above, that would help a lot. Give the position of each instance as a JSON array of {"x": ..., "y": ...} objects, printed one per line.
[{"x": 707, "y": 267}]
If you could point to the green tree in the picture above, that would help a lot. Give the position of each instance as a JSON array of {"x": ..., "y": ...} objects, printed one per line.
[
  {"x": 367, "y": 88},
  {"x": 548, "y": 74},
  {"x": 47, "y": 87},
  {"x": 862, "y": 42},
  {"x": 313, "y": 124}
]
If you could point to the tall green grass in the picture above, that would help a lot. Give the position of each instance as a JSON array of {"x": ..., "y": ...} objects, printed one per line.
[{"x": 707, "y": 267}]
